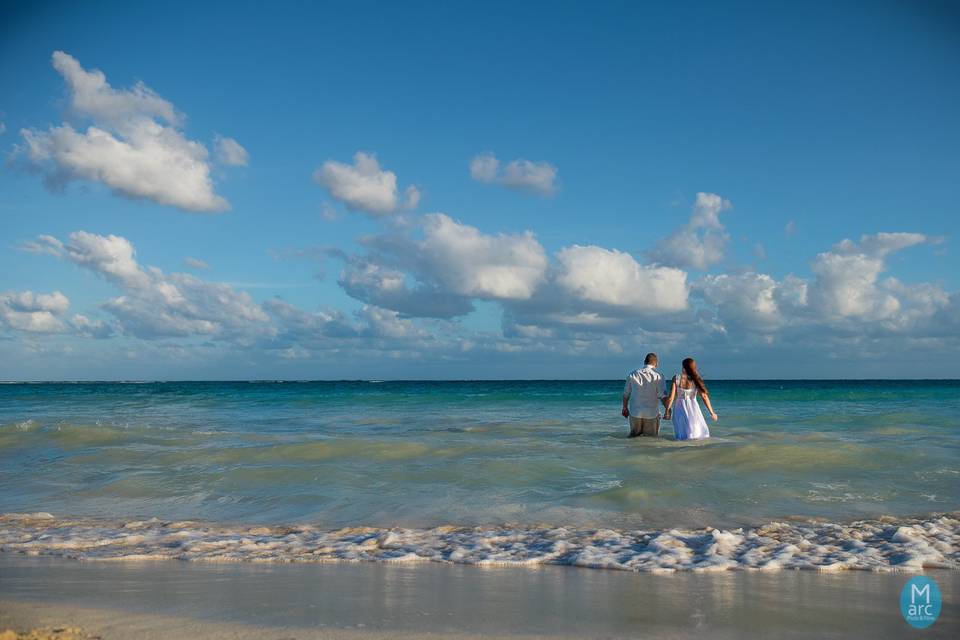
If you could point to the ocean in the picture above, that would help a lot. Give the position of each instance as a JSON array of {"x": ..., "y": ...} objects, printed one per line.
[{"x": 798, "y": 474}]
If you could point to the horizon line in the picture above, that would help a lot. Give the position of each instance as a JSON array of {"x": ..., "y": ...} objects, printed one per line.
[{"x": 385, "y": 380}]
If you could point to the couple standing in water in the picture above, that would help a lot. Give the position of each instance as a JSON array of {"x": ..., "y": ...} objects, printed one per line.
[{"x": 645, "y": 390}]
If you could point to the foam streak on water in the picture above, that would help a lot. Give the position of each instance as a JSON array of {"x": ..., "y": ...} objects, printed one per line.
[{"x": 886, "y": 544}]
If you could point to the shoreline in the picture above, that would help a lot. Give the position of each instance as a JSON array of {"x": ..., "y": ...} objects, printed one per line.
[{"x": 153, "y": 600}]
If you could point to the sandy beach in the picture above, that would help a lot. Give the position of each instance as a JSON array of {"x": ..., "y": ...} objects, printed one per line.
[{"x": 169, "y": 599}]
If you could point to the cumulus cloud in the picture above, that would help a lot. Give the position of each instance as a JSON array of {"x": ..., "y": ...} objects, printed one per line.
[
  {"x": 364, "y": 278},
  {"x": 302, "y": 333},
  {"x": 519, "y": 174},
  {"x": 93, "y": 96},
  {"x": 846, "y": 283},
  {"x": 133, "y": 145},
  {"x": 438, "y": 275},
  {"x": 583, "y": 304},
  {"x": 157, "y": 304},
  {"x": 385, "y": 323},
  {"x": 90, "y": 327},
  {"x": 302, "y": 326},
  {"x": 615, "y": 278},
  {"x": 441, "y": 267},
  {"x": 699, "y": 243},
  {"x": 472, "y": 263},
  {"x": 32, "y": 312},
  {"x": 846, "y": 294},
  {"x": 364, "y": 186},
  {"x": 230, "y": 152},
  {"x": 754, "y": 301}
]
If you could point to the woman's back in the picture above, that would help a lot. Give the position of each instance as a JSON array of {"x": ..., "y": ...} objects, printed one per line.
[
  {"x": 688, "y": 420},
  {"x": 685, "y": 387}
]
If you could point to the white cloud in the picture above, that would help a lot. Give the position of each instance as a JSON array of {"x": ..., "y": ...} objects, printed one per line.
[
  {"x": 846, "y": 296},
  {"x": 439, "y": 274},
  {"x": 364, "y": 186},
  {"x": 587, "y": 307},
  {"x": 882, "y": 244},
  {"x": 752, "y": 300},
  {"x": 34, "y": 313},
  {"x": 614, "y": 278},
  {"x": 484, "y": 167},
  {"x": 134, "y": 146},
  {"x": 90, "y": 328},
  {"x": 846, "y": 283},
  {"x": 442, "y": 273},
  {"x": 110, "y": 256},
  {"x": 195, "y": 263},
  {"x": 156, "y": 304},
  {"x": 300, "y": 326},
  {"x": 471, "y": 263},
  {"x": 92, "y": 95},
  {"x": 384, "y": 323},
  {"x": 230, "y": 152},
  {"x": 28, "y": 301},
  {"x": 43, "y": 244},
  {"x": 303, "y": 333},
  {"x": 384, "y": 286},
  {"x": 519, "y": 174},
  {"x": 3, "y": 128},
  {"x": 701, "y": 241}
]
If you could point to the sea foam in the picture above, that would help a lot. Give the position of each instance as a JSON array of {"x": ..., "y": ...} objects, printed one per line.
[{"x": 884, "y": 544}]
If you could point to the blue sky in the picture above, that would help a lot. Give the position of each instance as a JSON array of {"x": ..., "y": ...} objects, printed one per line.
[{"x": 546, "y": 189}]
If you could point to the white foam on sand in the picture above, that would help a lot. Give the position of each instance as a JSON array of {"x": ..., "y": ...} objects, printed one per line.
[{"x": 885, "y": 544}]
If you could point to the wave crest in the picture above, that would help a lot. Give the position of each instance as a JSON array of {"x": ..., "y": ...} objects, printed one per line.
[{"x": 885, "y": 544}]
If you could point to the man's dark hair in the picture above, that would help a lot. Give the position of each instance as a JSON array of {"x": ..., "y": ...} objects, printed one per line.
[{"x": 651, "y": 359}]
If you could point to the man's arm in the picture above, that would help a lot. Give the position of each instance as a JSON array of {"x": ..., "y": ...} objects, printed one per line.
[{"x": 625, "y": 412}]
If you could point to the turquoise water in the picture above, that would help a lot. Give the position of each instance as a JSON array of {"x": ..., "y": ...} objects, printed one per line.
[{"x": 422, "y": 454}]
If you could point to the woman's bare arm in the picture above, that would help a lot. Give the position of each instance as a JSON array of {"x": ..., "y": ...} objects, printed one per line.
[
  {"x": 706, "y": 401},
  {"x": 668, "y": 406}
]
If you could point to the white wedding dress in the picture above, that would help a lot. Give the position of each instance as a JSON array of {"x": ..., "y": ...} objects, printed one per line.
[{"x": 688, "y": 421}]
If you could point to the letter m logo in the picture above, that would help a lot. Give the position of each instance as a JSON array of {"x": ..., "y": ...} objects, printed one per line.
[{"x": 919, "y": 592}]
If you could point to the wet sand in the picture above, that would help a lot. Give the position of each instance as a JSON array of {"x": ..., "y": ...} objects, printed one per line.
[{"x": 169, "y": 599}]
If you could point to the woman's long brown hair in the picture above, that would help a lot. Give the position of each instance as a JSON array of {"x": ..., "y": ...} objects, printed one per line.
[{"x": 690, "y": 368}]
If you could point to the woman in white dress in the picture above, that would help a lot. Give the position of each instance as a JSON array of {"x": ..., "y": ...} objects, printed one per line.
[{"x": 688, "y": 421}]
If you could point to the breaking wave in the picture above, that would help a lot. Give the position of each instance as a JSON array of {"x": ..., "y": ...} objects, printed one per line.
[{"x": 883, "y": 544}]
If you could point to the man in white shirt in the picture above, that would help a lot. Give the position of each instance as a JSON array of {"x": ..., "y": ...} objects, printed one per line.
[{"x": 640, "y": 395}]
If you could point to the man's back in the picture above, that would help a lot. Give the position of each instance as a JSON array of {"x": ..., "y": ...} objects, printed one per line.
[{"x": 643, "y": 389}]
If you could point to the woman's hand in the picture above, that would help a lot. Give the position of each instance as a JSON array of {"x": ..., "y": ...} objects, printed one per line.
[{"x": 714, "y": 416}]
